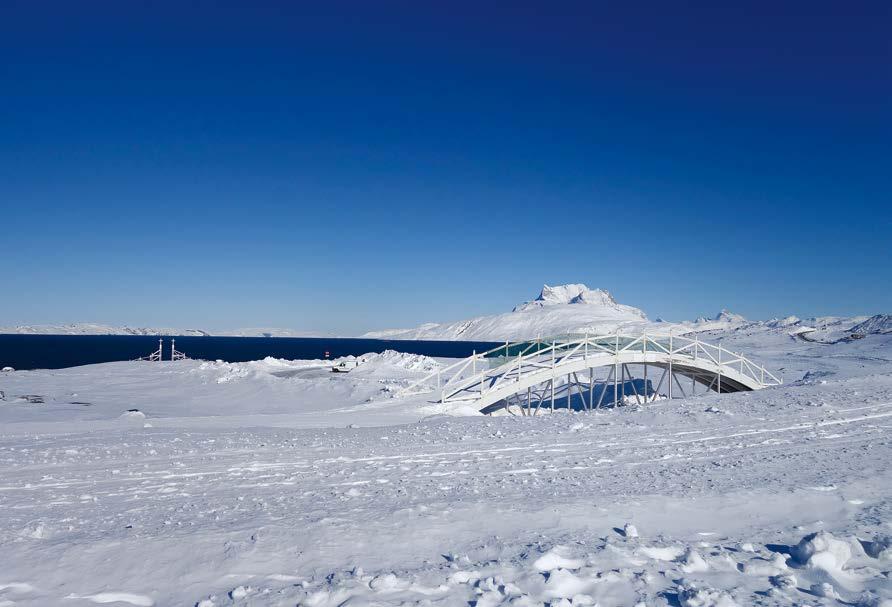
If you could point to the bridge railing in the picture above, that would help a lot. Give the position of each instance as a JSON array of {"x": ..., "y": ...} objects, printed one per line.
[{"x": 484, "y": 371}]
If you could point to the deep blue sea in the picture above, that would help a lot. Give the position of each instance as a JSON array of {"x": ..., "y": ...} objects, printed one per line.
[{"x": 58, "y": 351}]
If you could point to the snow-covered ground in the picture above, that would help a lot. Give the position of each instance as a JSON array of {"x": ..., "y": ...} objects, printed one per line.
[{"x": 280, "y": 483}]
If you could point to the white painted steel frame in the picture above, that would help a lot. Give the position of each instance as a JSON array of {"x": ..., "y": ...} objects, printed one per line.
[{"x": 540, "y": 362}]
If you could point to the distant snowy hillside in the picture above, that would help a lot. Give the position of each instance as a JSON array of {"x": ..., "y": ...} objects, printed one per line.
[
  {"x": 881, "y": 323},
  {"x": 84, "y": 328},
  {"x": 268, "y": 332},
  {"x": 100, "y": 329},
  {"x": 560, "y": 309}
]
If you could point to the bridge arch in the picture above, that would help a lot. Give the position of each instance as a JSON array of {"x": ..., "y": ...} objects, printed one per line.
[{"x": 516, "y": 372}]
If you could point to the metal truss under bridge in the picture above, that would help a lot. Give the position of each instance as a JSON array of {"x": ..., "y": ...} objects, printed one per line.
[{"x": 531, "y": 376}]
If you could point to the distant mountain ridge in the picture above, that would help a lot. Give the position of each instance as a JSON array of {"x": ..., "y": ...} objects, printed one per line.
[
  {"x": 102, "y": 329},
  {"x": 86, "y": 328},
  {"x": 557, "y": 309},
  {"x": 575, "y": 308}
]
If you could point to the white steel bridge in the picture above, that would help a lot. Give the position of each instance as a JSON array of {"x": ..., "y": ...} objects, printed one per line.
[{"x": 524, "y": 378}]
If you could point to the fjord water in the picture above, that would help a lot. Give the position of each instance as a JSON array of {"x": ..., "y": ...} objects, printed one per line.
[{"x": 59, "y": 351}]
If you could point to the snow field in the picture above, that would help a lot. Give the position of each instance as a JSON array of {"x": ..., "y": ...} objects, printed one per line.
[{"x": 451, "y": 510}]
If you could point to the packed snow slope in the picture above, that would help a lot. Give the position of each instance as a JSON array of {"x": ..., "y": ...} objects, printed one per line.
[
  {"x": 225, "y": 488},
  {"x": 572, "y": 308}
]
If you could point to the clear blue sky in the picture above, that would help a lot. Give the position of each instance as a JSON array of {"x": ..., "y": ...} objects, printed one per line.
[{"x": 344, "y": 166}]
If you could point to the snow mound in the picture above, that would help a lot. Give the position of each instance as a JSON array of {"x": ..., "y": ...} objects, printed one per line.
[
  {"x": 557, "y": 558},
  {"x": 267, "y": 368},
  {"x": 391, "y": 359},
  {"x": 563, "y": 584},
  {"x": 821, "y": 550},
  {"x": 691, "y": 595}
]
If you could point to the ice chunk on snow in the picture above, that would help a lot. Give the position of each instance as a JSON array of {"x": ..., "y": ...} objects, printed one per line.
[
  {"x": 662, "y": 553},
  {"x": 630, "y": 531},
  {"x": 557, "y": 558},
  {"x": 824, "y": 589},
  {"x": 690, "y": 595},
  {"x": 880, "y": 547},
  {"x": 564, "y": 584},
  {"x": 760, "y": 566},
  {"x": 388, "y": 582},
  {"x": 822, "y": 550},
  {"x": 693, "y": 562},
  {"x": 785, "y": 581}
]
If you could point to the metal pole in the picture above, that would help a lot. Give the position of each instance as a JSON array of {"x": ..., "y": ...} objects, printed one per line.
[
  {"x": 670, "y": 365},
  {"x": 569, "y": 393},
  {"x": 616, "y": 371},
  {"x": 553, "y": 346},
  {"x": 591, "y": 388},
  {"x": 552, "y": 393},
  {"x": 623, "y": 384},
  {"x": 645, "y": 382},
  {"x": 719, "y": 375},
  {"x": 173, "y": 348}
]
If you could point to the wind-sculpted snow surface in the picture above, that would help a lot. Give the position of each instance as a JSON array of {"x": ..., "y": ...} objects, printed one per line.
[{"x": 280, "y": 483}]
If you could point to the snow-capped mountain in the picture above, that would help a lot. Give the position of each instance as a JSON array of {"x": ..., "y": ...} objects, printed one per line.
[
  {"x": 571, "y": 308},
  {"x": 881, "y": 323},
  {"x": 577, "y": 294},
  {"x": 720, "y": 322}
]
